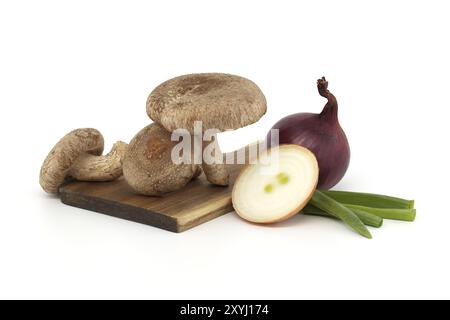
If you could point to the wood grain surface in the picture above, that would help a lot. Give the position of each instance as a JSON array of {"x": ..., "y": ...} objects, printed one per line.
[{"x": 178, "y": 211}]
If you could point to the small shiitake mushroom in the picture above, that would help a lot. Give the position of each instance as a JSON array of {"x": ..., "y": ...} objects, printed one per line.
[
  {"x": 148, "y": 167},
  {"x": 78, "y": 155}
]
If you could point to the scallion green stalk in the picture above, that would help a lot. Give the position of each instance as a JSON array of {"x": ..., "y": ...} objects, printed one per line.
[
  {"x": 369, "y": 200},
  {"x": 367, "y": 218},
  {"x": 391, "y": 214},
  {"x": 336, "y": 209}
]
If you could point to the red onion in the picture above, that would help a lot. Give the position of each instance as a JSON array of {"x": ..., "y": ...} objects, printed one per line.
[{"x": 322, "y": 134}]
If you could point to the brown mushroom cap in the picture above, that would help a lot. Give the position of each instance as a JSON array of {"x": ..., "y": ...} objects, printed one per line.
[
  {"x": 148, "y": 166},
  {"x": 64, "y": 154},
  {"x": 220, "y": 101}
]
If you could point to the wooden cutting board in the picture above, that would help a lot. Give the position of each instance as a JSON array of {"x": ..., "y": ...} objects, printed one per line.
[{"x": 191, "y": 206}]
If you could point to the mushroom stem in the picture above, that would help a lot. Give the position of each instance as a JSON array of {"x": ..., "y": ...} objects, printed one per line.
[
  {"x": 197, "y": 172},
  {"x": 216, "y": 173},
  {"x": 100, "y": 168}
]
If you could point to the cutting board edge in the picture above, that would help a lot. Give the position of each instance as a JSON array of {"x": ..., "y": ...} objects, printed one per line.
[
  {"x": 120, "y": 210},
  {"x": 218, "y": 213}
]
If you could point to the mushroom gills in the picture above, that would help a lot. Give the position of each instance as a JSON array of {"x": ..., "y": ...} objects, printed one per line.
[{"x": 278, "y": 186}]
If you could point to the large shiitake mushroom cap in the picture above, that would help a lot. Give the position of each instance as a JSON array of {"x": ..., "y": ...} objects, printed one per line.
[
  {"x": 220, "y": 101},
  {"x": 148, "y": 167}
]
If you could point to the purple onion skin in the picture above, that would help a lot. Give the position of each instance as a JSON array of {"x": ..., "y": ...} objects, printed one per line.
[{"x": 323, "y": 135}]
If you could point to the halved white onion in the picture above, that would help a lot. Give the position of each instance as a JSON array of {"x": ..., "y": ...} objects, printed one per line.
[{"x": 278, "y": 186}]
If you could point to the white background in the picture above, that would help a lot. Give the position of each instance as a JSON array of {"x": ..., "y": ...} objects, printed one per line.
[{"x": 71, "y": 64}]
